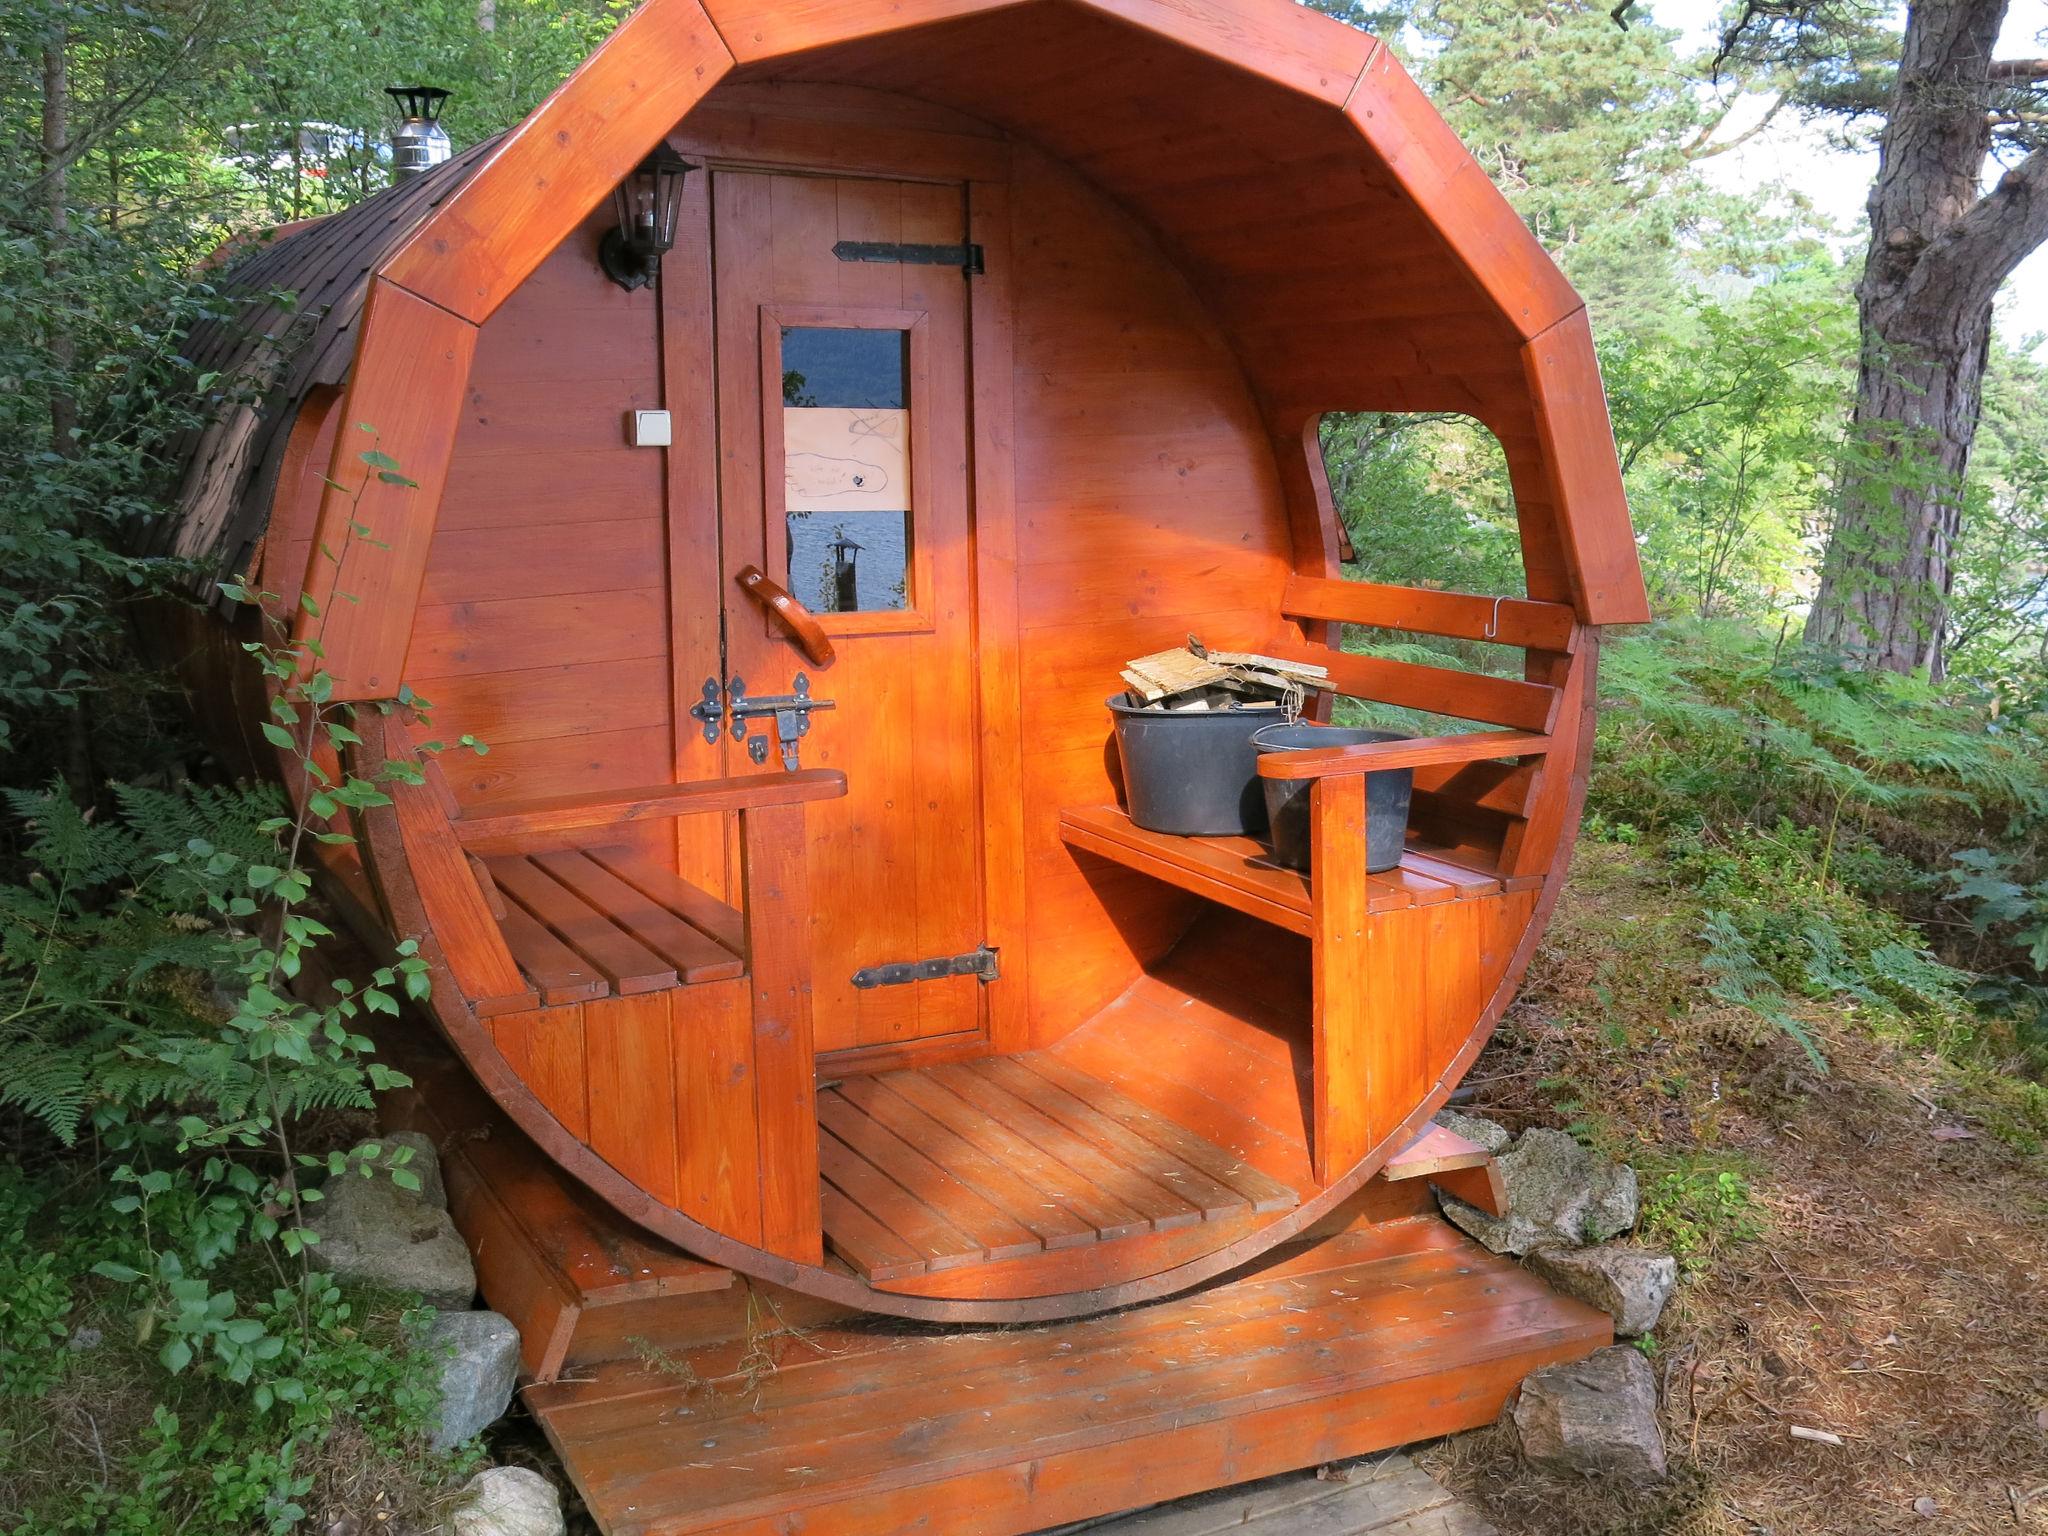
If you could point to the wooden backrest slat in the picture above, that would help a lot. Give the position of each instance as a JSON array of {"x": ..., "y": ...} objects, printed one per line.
[
  {"x": 1453, "y": 615},
  {"x": 1439, "y": 690}
]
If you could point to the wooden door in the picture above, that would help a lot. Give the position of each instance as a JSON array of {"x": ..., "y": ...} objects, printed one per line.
[{"x": 843, "y": 474}]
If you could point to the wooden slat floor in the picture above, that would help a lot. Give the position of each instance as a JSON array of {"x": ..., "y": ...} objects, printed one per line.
[
  {"x": 1375, "y": 1337},
  {"x": 999, "y": 1158}
]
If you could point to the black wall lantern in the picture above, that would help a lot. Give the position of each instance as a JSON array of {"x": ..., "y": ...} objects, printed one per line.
[{"x": 647, "y": 202}]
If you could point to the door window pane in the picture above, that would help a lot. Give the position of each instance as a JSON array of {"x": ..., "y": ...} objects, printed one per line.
[{"x": 846, "y": 467}]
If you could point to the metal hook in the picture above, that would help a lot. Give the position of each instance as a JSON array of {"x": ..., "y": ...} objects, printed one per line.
[{"x": 1493, "y": 624}]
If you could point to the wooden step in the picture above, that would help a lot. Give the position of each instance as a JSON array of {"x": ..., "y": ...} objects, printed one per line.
[
  {"x": 579, "y": 1282},
  {"x": 1372, "y": 1338},
  {"x": 1240, "y": 872},
  {"x": 1007, "y": 1156},
  {"x": 1453, "y": 1164}
]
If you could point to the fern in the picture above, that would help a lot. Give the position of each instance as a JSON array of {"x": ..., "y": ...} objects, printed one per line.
[
  {"x": 109, "y": 911},
  {"x": 1738, "y": 979}
]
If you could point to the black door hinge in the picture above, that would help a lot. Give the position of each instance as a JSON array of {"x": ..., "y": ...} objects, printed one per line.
[
  {"x": 979, "y": 963},
  {"x": 968, "y": 258}
]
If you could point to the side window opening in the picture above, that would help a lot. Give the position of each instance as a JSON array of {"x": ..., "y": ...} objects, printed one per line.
[{"x": 1423, "y": 500}]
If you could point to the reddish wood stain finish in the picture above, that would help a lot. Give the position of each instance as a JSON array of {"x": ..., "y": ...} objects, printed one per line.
[{"x": 646, "y": 940}]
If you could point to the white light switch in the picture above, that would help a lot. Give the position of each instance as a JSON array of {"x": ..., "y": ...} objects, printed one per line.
[{"x": 651, "y": 429}]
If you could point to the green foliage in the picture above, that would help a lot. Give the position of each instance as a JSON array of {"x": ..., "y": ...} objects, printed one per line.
[
  {"x": 1697, "y": 1207},
  {"x": 234, "y": 1441},
  {"x": 1728, "y": 416},
  {"x": 146, "y": 963},
  {"x": 1827, "y": 829},
  {"x": 1982, "y": 880},
  {"x": 1425, "y": 500},
  {"x": 86, "y": 938}
]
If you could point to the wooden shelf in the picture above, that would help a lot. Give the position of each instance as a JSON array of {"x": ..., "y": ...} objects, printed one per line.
[{"x": 1240, "y": 872}]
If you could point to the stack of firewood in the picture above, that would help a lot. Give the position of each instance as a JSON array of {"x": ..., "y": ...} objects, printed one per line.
[{"x": 1193, "y": 677}]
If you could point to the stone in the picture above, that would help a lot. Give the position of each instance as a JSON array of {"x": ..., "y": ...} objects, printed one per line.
[
  {"x": 479, "y": 1355},
  {"x": 374, "y": 1233},
  {"x": 1629, "y": 1284},
  {"x": 424, "y": 1164},
  {"x": 1559, "y": 1195},
  {"x": 508, "y": 1501},
  {"x": 1485, "y": 1133},
  {"x": 1596, "y": 1416}
]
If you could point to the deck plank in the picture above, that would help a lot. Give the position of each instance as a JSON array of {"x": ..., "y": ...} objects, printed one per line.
[
  {"x": 1385, "y": 1496},
  {"x": 1363, "y": 1341},
  {"x": 1247, "y": 1182},
  {"x": 997, "y": 1234},
  {"x": 1108, "y": 1216},
  {"x": 924, "y": 1230},
  {"x": 1160, "y": 1205},
  {"x": 1049, "y": 1222}
]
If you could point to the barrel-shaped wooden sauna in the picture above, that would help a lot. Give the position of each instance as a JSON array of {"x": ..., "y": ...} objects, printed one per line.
[{"x": 793, "y": 909}]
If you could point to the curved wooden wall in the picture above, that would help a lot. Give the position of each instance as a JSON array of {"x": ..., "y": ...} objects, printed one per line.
[
  {"x": 1221, "y": 218},
  {"x": 1148, "y": 508}
]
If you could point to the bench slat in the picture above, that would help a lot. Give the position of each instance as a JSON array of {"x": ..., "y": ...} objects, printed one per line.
[
  {"x": 1439, "y": 690},
  {"x": 629, "y": 965},
  {"x": 560, "y": 974},
  {"x": 697, "y": 907},
  {"x": 1453, "y": 615},
  {"x": 695, "y": 955}
]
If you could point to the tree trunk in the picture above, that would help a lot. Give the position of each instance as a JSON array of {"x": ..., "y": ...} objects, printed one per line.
[
  {"x": 56, "y": 135},
  {"x": 1886, "y": 577},
  {"x": 1938, "y": 254}
]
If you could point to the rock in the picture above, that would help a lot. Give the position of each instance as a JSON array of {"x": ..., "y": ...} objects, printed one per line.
[
  {"x": 508, "y": 1501},
  {"x": 424, "y": 1164},
  {"x": 375, "y": 1233},
  {"x": 1494, "y": 1138},
  {"x": 1559, "y": 1194},
  {"x": 1629, "y": 1284},
  {"x": 1597, "y": 1416},
  {"x": 479, "y": 1355}
]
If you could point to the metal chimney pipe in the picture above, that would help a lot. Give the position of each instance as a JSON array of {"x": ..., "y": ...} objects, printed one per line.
[{"x": 419, "y": 143}]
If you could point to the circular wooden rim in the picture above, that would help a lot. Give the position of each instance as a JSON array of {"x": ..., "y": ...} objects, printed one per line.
[{"x": 392, "y": 878}]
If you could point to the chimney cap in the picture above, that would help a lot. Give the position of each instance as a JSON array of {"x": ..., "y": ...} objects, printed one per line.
[{"x": 423, "y": 101}]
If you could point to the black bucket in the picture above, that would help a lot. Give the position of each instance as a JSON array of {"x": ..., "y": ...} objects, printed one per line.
[
  {"x": 1191, "y": 772},
  {"x": 1287, "y": 804}
]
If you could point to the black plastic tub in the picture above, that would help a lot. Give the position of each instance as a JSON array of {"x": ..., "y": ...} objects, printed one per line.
[
  {"x": 1287, "y": 802},
  {"x": 1191, "y": 772}
]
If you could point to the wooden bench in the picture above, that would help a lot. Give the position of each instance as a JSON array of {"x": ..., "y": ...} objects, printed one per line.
[
  {"x": 585, "y": 923},
  {"x": 552, "y": 910},
  {"x": 537, "y": 907},
  {"x": 1239, "y": 872},
  {"x": 584, "y": 918},
  {"x": 1487, "y": 814}
]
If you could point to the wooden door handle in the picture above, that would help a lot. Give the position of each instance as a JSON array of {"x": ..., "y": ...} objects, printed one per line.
[{"x": 802, "y": 624}]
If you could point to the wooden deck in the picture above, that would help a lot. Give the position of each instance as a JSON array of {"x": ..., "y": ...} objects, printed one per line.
[
  {"x": 1371, "y": 1338},
  {"x": 1004, "y": 1157}
]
